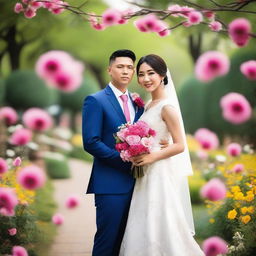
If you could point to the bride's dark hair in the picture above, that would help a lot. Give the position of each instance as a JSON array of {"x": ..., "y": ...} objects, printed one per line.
[{"x": 155, "y": 62}]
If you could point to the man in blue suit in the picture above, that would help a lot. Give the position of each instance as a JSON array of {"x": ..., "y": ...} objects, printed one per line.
[{"x": 111, "y": 180}]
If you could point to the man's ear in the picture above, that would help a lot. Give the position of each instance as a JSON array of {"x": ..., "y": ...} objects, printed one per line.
[{"x": 109, "y": 69}]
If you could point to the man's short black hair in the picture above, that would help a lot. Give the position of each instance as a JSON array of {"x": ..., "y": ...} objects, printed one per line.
[{"x": 122, "y": 53}]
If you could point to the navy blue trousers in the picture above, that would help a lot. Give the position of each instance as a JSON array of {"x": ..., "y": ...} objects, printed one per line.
[{"x": 111, "y": 217}]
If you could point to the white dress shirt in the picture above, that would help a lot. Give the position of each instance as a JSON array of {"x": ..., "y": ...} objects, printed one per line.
[{"x": 118, "y": 93}]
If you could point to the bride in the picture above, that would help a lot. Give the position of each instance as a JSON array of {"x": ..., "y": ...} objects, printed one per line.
[{"x": 160, "y": 221}]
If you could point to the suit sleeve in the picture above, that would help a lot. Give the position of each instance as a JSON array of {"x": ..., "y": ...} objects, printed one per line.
[{"x": 92, "y": 124}]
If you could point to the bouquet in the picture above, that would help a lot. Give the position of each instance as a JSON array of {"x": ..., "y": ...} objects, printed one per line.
[{"x": 133, "y": 140}]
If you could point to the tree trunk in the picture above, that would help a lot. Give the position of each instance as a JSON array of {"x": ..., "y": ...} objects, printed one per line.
[
  {"x": 97, "y": 73},
  {"x": 195, "y": 45},
  {"x": 14, "y": 48}
]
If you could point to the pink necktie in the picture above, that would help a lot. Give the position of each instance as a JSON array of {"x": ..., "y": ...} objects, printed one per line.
[{"x": 124, "y": 98}]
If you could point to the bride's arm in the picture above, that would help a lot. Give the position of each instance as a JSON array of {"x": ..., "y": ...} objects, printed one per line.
[{"x": 170, "y": 117}]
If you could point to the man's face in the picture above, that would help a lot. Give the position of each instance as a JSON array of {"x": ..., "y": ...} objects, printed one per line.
[{"x": 121, "y": 71}]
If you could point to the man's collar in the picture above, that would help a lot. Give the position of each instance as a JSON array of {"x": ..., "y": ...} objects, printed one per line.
[{"x": 116, "y": 91}]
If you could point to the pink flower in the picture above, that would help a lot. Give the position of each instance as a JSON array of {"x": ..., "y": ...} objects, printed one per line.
[
  {"x": 3, "y": 166},
  {"x": 121, "y": 146},
  {"x": 9, "y": 115},
  {"x": 185, "y": 10},
  {"x": 36, "y": 5},
  {"x": 234, "y": 149},
  {"x": 19, "y": 251},
  {"x": 31, "y": 177},
  {"x": 17, "y": 161},
  {"x": 202, "y": 155},
  {"x": 135, "y": 150},
  {"x": 60, "y": 70},
  {"x": 29, "y": 12},
  {"x": 133, "y": 139},
  {"x": 58, "y": 7},
  {"x": 8, "y": 201},
  {"x": 239, "y": 31},
  {"x": 214, "y": 246},
  {"x": 238, "y": 168},
  {"x": 162, "y": 29},
  {"x": 141, "y": 129},
  {"x": 149, "y": 23},
  {"x": 147, "y": 142},
  {"x": 214, "y": 190},
  {"x": 125, "y": 155},
  {"x": 209, "y": 14},
  {"x": 248, "y": 68},
  {"x": 207, "y": 139},
  {"x": 210, "y": 65},
  {"x": 174, "y": 9},
  {"x": 140, "y": 25},
  {"x": 137, "y": 99},
  {"x": 215, "y": 26},
  {"x": 235, "y": 108},
  {"x": 152, "y": 132},
  {"x": 12, "y": 231},
  {"x": 37, "y": 119},
  {"x": 195, "y": 17},
  {"x": 111, "y": 17},
  {"x": 122, "y": 134},
  {"x": 18, "y": 8},
  {"x": 21, "y": 137},
  {"x": 72, "y": 201},
  {"x": 51, "y": 63},
  {"x": 58, "y": 219},
  {"x": 98, "y": 26}
]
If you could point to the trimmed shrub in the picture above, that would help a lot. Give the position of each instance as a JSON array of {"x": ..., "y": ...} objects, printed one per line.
[
  {"x": 192, "y": 101},
  {"x": 57, "y": 165},
  {"x": 24, "y": 89},
  {"x": 2, "y": 92}
]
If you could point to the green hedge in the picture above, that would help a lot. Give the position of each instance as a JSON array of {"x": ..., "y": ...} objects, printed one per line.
[
  {"x": 24, "y": 89},
  {"x": 57, "y": 166}
]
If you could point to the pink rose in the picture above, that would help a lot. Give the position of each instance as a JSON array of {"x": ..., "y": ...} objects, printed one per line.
[
  {"x": 133, "y": 139},
  {"x": 147, "y": 142}
]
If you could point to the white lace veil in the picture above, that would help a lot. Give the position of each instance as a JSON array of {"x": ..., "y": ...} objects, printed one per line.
[{"x": 181, "y": 163}]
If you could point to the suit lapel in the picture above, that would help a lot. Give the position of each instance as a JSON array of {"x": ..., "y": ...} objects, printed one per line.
[{"x": 112, "y": 98}]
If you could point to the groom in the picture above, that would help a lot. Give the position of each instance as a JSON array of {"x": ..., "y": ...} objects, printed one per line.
[{"x": 110, "y": 181}]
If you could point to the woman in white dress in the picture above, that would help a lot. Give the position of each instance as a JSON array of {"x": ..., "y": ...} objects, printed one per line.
[{"x": 160, "y": 221}]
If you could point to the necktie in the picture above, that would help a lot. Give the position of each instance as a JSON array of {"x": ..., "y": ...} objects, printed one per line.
[{"x": 124, "y": 98}]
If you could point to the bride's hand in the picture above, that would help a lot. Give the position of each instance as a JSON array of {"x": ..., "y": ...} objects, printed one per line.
[{"x": 144, "y": 159}]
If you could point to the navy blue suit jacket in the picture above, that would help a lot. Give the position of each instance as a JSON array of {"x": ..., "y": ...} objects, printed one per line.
[{"x": 102, "y": 115}]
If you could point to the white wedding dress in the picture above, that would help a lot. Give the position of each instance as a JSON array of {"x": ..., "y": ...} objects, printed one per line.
[{"x": 156, "y": 224}]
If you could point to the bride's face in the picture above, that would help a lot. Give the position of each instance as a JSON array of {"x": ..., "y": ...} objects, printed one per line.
[{"x": 148, "y": 78}]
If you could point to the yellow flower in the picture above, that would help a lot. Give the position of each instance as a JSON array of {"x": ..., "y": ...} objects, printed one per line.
[
  {"x": 245, "y": 219},
  {"x": 229, "y": 194},
  {"x": 244, "y": 210},
  {"x": 232, "y": 214},
  {"x": 250, "y": 209},
  {"x": 249, "y": 198},
  {"x": 211, "y": 220},
  {"x": 239, "y": 196},
  {"x": 76, "y": 140},
  {"x": 235, "y": 189},
  {"x": 237, "y": 205}
]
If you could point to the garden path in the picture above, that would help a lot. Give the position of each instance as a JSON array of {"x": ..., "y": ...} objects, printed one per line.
[{"x": 75, "y": 235}]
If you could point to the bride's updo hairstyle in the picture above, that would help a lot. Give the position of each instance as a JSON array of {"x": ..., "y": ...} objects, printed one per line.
[{"x": 156, "y": 63}]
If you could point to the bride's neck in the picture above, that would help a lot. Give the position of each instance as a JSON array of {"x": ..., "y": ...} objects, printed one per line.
[{"x": 158, "y": 95}]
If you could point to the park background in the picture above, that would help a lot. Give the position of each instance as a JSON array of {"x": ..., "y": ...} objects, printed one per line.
[{"x": 24, "y": 40}]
